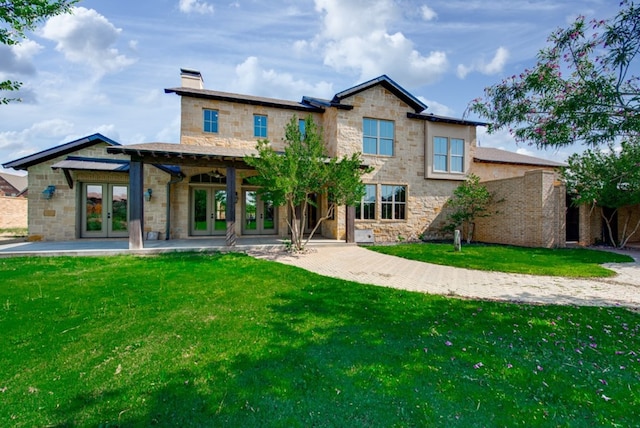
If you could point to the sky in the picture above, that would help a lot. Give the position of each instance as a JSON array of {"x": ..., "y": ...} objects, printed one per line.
[{"x": 104, "y": 67}]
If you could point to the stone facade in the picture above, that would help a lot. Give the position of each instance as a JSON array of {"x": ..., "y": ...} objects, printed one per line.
[
  {"x": 60, "y": 218},
  {"x": 528, "y": 211}
]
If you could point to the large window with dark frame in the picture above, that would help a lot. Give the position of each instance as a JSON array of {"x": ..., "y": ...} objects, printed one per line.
[
  {"x": 377, "y": 137},
  {"x": 367, "y": 208},
  {"x": 393, "y": 202},
  {"x": 448, "y": 154}
]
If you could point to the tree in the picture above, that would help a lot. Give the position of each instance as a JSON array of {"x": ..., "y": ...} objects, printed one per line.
[
  {"x": 18, "y": 16},
  {"x": 607, "y": 179},
  {"x": 471, "y": 200},
  {"x": 304, "y": 169},
  {"x": 582, "y": 88}
]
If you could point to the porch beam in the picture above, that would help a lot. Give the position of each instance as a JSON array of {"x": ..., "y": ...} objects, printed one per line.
[
  {"x": 350, "y": 222},
  {"x": 136, "y": 213},
  {"x": 230, "y": 212}
]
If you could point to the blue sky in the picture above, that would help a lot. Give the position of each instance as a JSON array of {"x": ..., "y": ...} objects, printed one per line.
[{"x": 104, "y": 68}]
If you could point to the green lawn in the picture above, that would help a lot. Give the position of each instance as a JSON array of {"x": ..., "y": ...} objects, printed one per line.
[
  {"x": 228, "y": 340},
  {"x": 569, "y": 262}
]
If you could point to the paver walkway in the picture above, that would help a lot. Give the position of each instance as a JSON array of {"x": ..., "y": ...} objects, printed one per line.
[{"x": 361, "y": 265}]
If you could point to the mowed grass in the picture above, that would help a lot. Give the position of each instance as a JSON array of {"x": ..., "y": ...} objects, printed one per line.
[
  {"x": 227, "y": 340},
  {"x": 568, "y": 262}
]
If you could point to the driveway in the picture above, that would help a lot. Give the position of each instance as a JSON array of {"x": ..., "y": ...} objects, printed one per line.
[{"x": 358, "y": 264}]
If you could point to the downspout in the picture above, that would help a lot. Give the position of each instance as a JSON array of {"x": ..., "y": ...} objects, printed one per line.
[{"x": 175, "y": 180}]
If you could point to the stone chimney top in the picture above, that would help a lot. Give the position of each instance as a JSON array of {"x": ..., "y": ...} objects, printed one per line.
[{"x": 191, "y": 79}]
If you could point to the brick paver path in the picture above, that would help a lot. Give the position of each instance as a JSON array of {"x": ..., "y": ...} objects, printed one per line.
[{"x": 361, "y": 265}]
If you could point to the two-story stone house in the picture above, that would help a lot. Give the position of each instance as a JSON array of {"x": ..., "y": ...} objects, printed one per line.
[{"x": 199, "y": 187}]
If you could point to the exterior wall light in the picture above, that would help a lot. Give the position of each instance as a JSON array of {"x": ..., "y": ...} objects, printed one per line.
[
  {"x": 147, "y": 195},
  {"x": 49, "y": 191}
]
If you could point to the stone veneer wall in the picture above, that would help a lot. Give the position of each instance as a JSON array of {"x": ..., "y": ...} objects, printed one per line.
[
  {"x": 530, "y": 211},
  {"x": 58, "y": 218},
  {"x": 13, "y": 212}
]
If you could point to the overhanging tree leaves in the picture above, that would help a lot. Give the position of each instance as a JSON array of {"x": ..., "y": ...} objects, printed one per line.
[
  {"x": 19, "y": 16},
  {"x": 583, "y": 87},
  {"x": 471, "y": 200},
  {"x": 607, "y": 179},
  {"x": 303, "y": 170}
]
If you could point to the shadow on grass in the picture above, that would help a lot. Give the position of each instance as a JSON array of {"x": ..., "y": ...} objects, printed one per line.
[{"x": 351, "y": 357}]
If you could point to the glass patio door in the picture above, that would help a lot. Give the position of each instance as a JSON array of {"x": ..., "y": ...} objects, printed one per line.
[
  {"x": 208, "y": 211},
  {"x": 106, "y": 210},
  {"x": 259, "y": 216}
]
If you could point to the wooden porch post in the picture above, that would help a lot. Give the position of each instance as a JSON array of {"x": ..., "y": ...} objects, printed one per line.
[
  {"x": 351, "y": 224},
  {"x": 136, "y": 214},
  {"x": 230, "y": 212}
]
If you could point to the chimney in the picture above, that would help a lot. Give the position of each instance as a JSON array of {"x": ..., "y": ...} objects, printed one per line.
[{"x": 191, "y": 79}]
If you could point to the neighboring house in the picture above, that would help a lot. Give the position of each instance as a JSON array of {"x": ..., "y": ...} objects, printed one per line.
[
  {"x": 13, "y": 201},
  {"x": 417, "y": 160},
  {"x": 13, "y": 185}
]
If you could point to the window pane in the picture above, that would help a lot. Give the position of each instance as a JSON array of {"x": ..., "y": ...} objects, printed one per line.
[
  {"x": 401, "y": 194},
  {"x": 369, "y": 127},
  {"x": 456, "y": 164},
  {"x": 387, "y": 211},
  {"x": 386, "y": 129},
  {"x": 440, "y": 146},
  {"x": 386, "y": 147},
  {"x": 457, "y": 147},
  {"x": 399, "y": 212},
  {"x": 369, "y": 145},
  {"x": 386, "y": 193},
  {"x": 440, "y": 163},
  {"x": 369, "y": 211}
]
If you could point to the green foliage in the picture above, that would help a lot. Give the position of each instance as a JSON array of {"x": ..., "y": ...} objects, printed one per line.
[
  {"x": 581, "y": 89},
  {"x": 607, "y": 179},
  {"x": 226, "y": 340},
  {"x": 19, "y": 16},
  {"x": 471, "y": 200},
  {"x": 568, "y": 262},
  {"x": 304, "y": 169}
]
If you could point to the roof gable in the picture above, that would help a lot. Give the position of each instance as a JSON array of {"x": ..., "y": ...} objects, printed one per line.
[
  {"x": 18, "y": 182},
  {"x": 388, "y": 84},
  {"x": 63, "y": 149}
]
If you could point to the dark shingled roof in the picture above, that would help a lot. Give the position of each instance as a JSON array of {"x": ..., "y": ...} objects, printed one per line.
[{"x": 492, "y": 155}]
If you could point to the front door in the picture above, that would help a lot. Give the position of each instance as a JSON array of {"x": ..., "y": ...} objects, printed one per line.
[
  {"x": 259, "y": 216},
  {"x": 208, "y": 211},
  {"x": 106, "y": 210}
]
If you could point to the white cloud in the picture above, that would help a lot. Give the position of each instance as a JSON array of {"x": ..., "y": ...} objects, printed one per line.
[
  {"x": 195, "y": 6},
  {"x": 251, "y": 78},
  {"x": 86, "y": 37},
  {"x": 437, "y": 108},
  {"x": 427, "y": 13},
  {"x": 495, "y": 66},
  {"x": 353, "y": 41},
  {"x": 17, "y": 59},
  {"x": 23, "y": 143}
]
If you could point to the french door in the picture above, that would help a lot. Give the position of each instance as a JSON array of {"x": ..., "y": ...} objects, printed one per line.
[
  {"x": 106, "y": 210},
  {"x": 208, "y": 211},
  {"x": 259, "y": 216}
]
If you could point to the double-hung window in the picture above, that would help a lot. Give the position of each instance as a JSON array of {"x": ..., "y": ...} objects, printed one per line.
[
  {"x": 260, "y": 126},
  {"x": 210, "y": 120},
  {"x": 367, "y": 208},
  {"x": 377, "y": 137},
  {"x": 448, "y": 154},
  {"x": 394, "y": 202}
]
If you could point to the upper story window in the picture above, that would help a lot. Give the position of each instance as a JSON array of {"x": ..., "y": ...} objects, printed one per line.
[
  {"x": 448, "y": 154},
  {"x": 367, "y": 208},
  {"x": 259, "y": 126},
  {"x": 210, "y": 122},
  {"x": 377, "y": 137}
]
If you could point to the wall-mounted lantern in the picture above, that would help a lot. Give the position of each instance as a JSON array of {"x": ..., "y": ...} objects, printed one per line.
[
  {"x": 147, "y": 195},
  {"x": 49, "y": 191}
]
